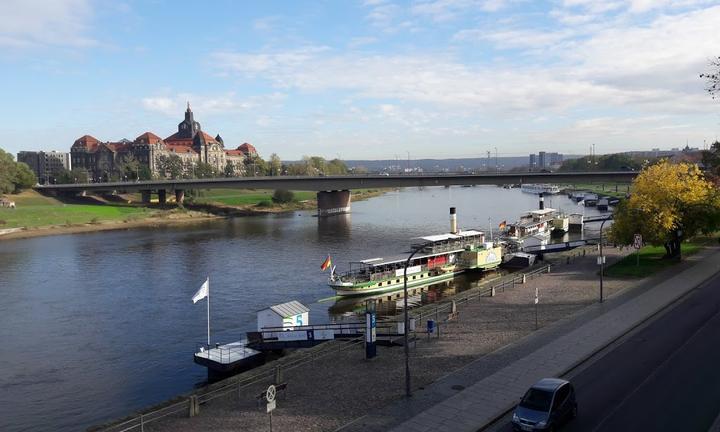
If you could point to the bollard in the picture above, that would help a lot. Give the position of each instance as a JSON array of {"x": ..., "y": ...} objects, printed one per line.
[
  {"x": 583, "y": 252},
  {"x": 567, "y": 261},
  {"x": 548, "y": 269},
  {"x": 194, "y": 406},
  {"x": 492, "y": 292},
  {"x": 278, "y": 375},
  {"x": 524, "y": 280}
]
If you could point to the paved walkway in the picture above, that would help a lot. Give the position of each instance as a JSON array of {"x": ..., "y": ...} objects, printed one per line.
[{"x": 490, "y": 397}]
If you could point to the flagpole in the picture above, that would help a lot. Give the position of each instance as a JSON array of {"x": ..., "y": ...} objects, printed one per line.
[{"x": 208, "y": 311}]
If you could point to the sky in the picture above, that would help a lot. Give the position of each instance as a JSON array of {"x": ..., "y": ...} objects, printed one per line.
[{"x": 363, "y": 79}]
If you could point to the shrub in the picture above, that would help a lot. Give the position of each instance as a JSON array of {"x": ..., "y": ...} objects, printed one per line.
[
  {"x": 282, "y": 196},
  {"x": 264, "y": 203}
]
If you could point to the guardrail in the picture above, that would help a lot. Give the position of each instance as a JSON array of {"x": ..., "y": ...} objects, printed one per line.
[{"x": 271, "y": 372}]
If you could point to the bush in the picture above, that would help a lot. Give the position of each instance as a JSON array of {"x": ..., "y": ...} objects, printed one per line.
[
  {"x": 264, "y": 203},
  {"x": 282, "y": 196}
]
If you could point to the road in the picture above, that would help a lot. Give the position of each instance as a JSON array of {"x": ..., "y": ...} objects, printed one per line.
[{"x": 665, "y": 376}]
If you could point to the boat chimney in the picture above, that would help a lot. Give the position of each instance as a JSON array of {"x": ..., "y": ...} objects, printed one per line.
[
  {"x": 453, "y": 221},
  {"x": 542, "y": 201}
]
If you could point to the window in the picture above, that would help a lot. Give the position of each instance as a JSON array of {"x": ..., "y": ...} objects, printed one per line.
[{"x": 560, "y": 395}]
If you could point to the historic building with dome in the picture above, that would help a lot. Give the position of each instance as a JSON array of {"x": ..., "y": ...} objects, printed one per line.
[{"x": 190, "y": 144}]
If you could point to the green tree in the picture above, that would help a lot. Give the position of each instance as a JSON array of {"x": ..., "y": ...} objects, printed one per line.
[
  {"x": 77, "y": 175},
  {"x": 127, "y": 168},
  {"x": 205, "y": 170},
  {"x": 229, "y": 170},
  {"x": 275, "y": 165},
  {"x": 282, "y": 196},
  {"x": 668, "y": 202},
  {"x": 24, "y": 177},
  {"x": 610, "y": 162},
  {"x": 255, "y": 166},
  {"x": 171, "y": 166}
]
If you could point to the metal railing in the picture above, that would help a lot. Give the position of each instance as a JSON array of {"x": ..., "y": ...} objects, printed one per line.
[{"x": 270, "y": 371}]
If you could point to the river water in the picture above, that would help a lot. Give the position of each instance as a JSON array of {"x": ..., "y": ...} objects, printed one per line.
[{"x": 95, "y": 326}]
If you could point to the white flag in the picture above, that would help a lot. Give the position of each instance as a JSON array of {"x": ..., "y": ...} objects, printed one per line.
[{"x": 203, "y": 292}]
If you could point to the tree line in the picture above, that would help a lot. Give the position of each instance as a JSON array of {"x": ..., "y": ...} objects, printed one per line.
[{"x": 14, "y": 176}]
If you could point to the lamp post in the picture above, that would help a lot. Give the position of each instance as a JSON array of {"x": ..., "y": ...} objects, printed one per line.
[
  {"x": 406, "y": 320},
  {"x": 602, "y": 259}
]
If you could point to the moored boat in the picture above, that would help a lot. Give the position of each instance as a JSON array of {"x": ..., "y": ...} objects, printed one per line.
[
  {"x": 540, "y": 188},
  {"x": 439, "y": 257},
  {"x": 542, "y": 221}
]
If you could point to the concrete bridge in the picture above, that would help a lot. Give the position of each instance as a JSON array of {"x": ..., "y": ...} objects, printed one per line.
[{"x": 333, "y": 192}]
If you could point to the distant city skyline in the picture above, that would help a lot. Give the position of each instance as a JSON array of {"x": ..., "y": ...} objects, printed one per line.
[{"x": 365, "y": 79}]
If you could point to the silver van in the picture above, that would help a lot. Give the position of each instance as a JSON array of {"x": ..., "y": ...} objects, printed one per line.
[{"x": 546, "y": 406}]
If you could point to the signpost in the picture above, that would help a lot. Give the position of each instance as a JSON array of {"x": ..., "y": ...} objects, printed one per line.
[
  {"x": 370, "y": 329},
  {"x": 537, "y": 300},
  {"x": 270, "y": 398},
  {"x": 637, "y": 244}
]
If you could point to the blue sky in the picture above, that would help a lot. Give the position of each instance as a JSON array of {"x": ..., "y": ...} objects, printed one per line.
[{"x": 367, "y": 79}]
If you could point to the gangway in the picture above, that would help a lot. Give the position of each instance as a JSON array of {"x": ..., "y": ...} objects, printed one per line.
[
  {"x": 558, "y": 247},
  {"x": 598, "y": 218},
  {"x": 277, "y": 338}
]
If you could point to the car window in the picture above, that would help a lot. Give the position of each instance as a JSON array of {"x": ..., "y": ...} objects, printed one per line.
[
  {"x": 536, "y": 399},
  {"x": 560, "y": 395}
]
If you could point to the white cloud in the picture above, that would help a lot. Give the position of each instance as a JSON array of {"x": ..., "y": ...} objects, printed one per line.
[
  {"x": 33, "y": 23},
  {"x": 227, "y": 103},
  {"x": 446, "y": 10}
]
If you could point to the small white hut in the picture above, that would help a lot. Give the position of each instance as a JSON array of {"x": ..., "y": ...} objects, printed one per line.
[{"x": 286, "y": 315}]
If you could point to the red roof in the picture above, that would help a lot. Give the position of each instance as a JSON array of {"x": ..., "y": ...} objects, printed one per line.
[
  {"x": 148, "y": 138},
  {"x": 87, "y": 141},
  {"x": 180, "y": 148},
  {"x": 208, "y": 137},
  {"x": 247, "y": 148},
  {"x": 235, "y": 152}
]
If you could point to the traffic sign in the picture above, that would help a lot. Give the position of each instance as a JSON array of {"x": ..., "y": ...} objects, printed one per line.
[
  {"x": 637, "y": 241},
  {"x": 270, "y": 393},
  {"x": 271, "y": 406}
]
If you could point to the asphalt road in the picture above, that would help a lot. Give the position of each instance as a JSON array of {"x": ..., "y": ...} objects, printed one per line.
[{"x": 665, "y": 376}]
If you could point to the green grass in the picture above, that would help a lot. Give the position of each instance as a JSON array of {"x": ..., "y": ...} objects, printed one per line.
[
  {"x": 244, "y": 197},
  {"x": 609, "y": 188},
  {"x": 35, "y": 210},
  {"x": 651, "y": 261}
]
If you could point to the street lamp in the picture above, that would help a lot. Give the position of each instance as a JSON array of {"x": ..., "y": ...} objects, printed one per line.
[
  {"x": 602, "y": 259},
  {"x": 406, "y": 320}
]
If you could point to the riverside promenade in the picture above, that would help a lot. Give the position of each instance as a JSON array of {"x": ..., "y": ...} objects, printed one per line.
[{"x": 455, "y": 404}]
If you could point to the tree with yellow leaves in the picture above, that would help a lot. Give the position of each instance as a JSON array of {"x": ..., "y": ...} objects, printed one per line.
[{"x": 668, "y": 202}]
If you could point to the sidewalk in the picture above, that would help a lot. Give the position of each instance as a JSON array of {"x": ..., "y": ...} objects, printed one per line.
[{"x": 468, "y": 408}]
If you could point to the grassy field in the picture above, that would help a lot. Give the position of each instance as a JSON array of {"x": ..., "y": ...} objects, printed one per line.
[
  {"x": 651, "y": 260},
  {"x": 35, "y": 210},
  {"x": 607, "y": 189},
  {"x": 241, "y": 197}
]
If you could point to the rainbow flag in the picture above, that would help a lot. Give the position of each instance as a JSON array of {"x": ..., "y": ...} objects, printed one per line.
[
  {"x": 503, "y": 224},
  {"x": 326, "y": 264}
]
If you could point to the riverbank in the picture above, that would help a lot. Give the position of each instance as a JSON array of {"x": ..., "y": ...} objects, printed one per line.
[
  {"x": 37, "y": 215},
  {"x": 334, "y": 389}
]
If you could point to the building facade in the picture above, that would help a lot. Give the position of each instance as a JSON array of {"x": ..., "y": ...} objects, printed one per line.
[
  {"x": 159, "y": 157},
  {"x": 47, "y": 166},
  {"x": 544, "y": 160}
]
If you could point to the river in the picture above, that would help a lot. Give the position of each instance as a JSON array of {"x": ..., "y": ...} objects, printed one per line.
[{"x": 94, "y": 326}]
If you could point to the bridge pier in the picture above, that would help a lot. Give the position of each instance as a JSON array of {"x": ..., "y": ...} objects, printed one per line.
[
  {"x": 145, "y": 196},
  {"x": 179, "y": 196},
  {"x": 162, "y": 196},
  {"x": 333, "y": 202}
]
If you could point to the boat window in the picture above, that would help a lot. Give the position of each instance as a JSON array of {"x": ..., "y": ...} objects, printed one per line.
[
  {"x": 414, "y": 277},
  {"x": 398, "y": 280}
]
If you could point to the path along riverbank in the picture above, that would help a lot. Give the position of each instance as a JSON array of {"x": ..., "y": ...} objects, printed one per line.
[{"x": 337, "y": 388}]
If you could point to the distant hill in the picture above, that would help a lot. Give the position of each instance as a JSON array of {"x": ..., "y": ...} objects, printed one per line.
[{"x": 504, "y": 163}]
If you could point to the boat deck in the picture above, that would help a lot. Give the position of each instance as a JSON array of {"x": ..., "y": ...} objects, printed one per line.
[{"x": 227, "y": 354}]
